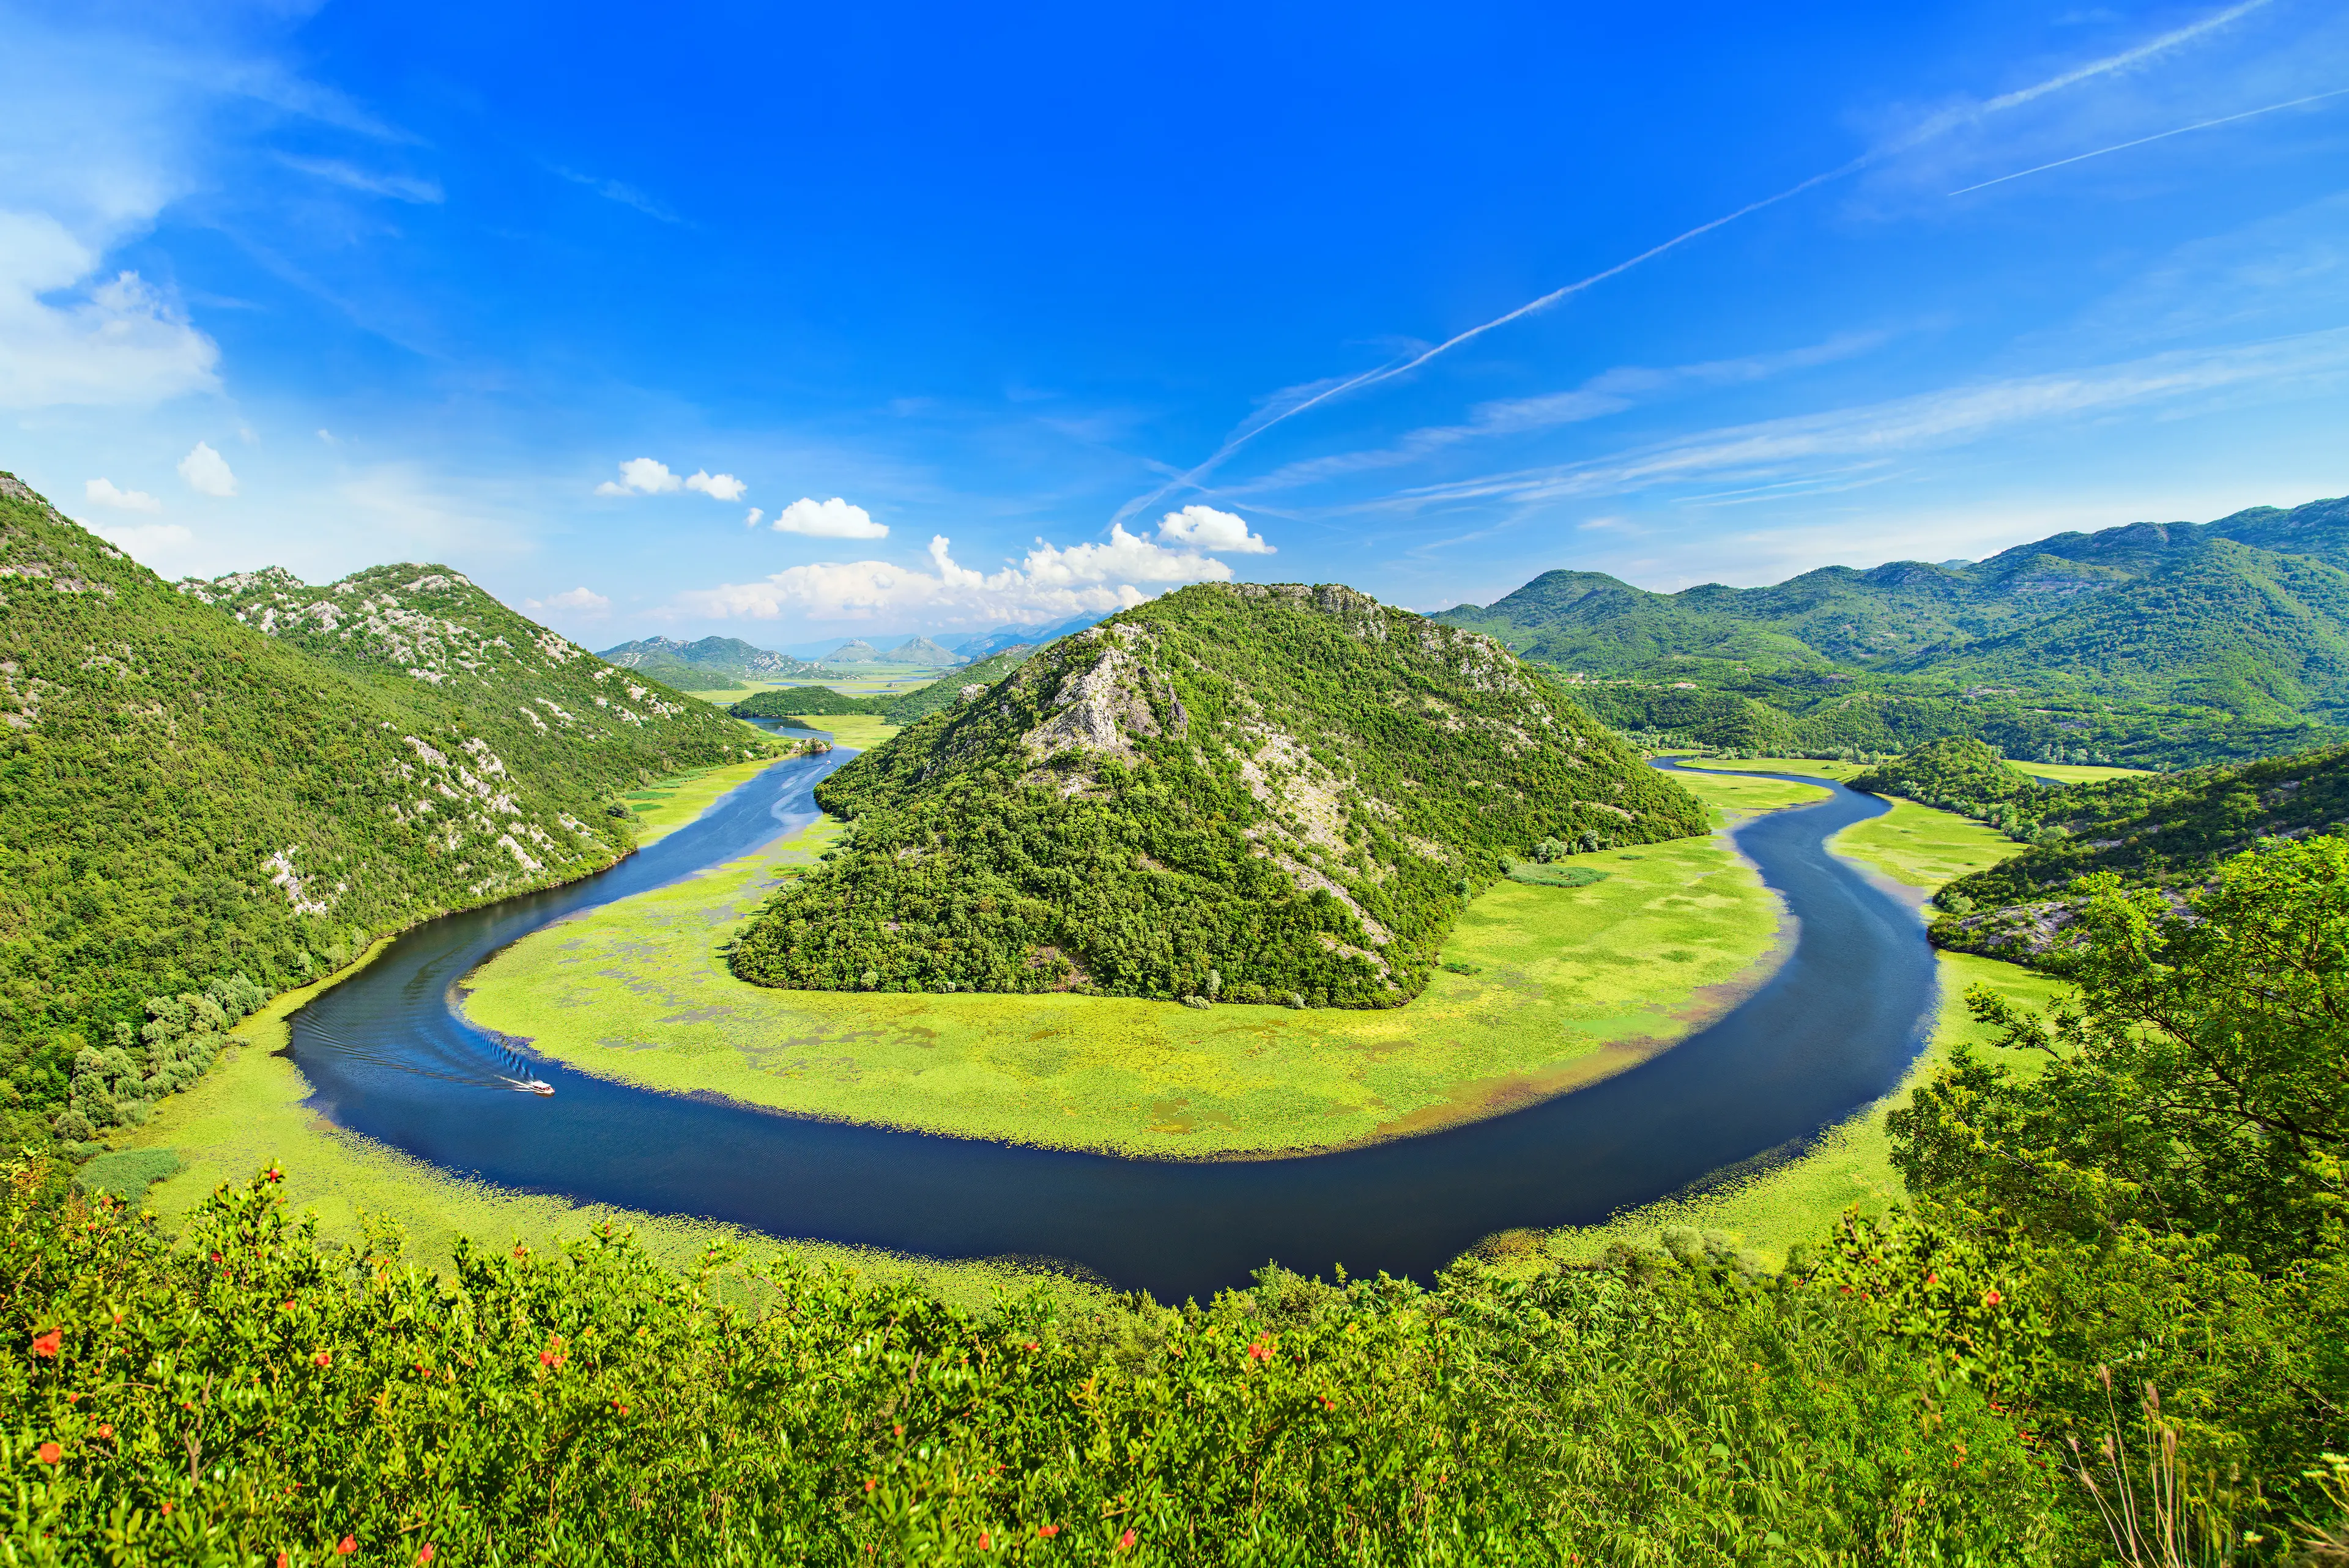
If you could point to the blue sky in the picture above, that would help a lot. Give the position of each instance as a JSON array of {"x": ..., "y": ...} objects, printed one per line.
[{"x": 1003, "y": 315}]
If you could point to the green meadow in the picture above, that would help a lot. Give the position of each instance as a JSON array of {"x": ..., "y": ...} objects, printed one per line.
[
  {"x": 1545, "y": 988},
  {"x": 662, "y": 808}
]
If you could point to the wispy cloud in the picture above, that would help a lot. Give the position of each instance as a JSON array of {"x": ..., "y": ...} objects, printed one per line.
[
  {"x": 2157, "y": 136},
  {"x": 105, "y": 492},
  {"x": 1769, "y": 451},
  {"x": 398, "y": 187},
  {"x": 1935, "y": 125},
  {"x": 616, "y": 191},
  {"x": 1609, "y": 392}
]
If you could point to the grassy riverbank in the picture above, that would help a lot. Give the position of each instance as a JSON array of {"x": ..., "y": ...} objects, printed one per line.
[
  {"x": 248, "y": 1113},
  {"x": 1545, "y": 988},
  {"x": 1793, "y": 1195}
]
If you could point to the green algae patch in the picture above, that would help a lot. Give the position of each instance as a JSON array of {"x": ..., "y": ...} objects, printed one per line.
[
  {"x": 246, "y": 1114},
  {"x": 1545, "y": 989},
  {"x": 1922, "y": 848},
  {"x": 664, "y": 807}
]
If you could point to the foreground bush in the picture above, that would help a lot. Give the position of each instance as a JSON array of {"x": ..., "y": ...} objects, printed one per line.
[{"x": 252, "y": 1396}]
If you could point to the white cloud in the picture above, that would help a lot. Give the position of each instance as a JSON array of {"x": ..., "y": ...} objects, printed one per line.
[
  {"x": 646, "y": 476},
  {"x": 718, "y": 487},
  {"x": 328, "y": 436},
  {"x": 752, "y": 517},
  {"x": 642, "y": 476},
  {"x": 834, "y": 519},
  {"x": 1204, "y": 528},
  {"x": 399, "y": 187},
  {"x": 102, "y": 492},
  {"x": 120, "y": 342},
  {"x": 146, "y": 542},
  {"x": 580, "y": 601},
  {"x": 207, "y": 472},
  {"x": 1048, "y": 584}
]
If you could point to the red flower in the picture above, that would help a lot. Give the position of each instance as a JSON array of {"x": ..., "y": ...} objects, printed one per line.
[
  {"x": 49, "y": 1453},
  {"x": 273, "y": 1174},
  {"x": 986, "y": 1542},
  {"x": 1047, "y": 1531},
  {"x": 323, "y": 1358},
  {"x": 345, "y": 1546},
  {"x": 47, "y": 1345},
  {"x": 1992, "y": 1298},
  {"x": 1260, "y": 1351},
  {"x": 1932, "y": 1279},
  {"x": 1125, "y": 1541},
  {"x": 425, "y": 1555},
  {"x": 284, "y": 1561},
  {"x": 105, "y": 1430}
]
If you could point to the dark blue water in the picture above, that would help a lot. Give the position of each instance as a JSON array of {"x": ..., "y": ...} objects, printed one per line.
[{"x": 1836, "y": 1027}]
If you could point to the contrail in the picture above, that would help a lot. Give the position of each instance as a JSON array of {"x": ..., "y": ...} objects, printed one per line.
[
  {"x": 2157, "y": 136},
  {"x": 1934, "y": 126}
]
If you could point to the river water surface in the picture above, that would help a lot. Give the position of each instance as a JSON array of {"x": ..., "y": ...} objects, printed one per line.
[{"x": 388, "y": 1054}]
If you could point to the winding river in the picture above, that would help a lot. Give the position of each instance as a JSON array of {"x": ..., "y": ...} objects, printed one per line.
[{"x": 388, "y": 1054}]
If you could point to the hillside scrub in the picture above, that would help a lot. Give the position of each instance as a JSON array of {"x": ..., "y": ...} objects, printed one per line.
[
  {"x": 234, "y": 784},
  {"x": 1234, "y": 792}
]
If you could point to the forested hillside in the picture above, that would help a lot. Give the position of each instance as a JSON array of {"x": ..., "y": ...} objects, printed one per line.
[
  {"x": 2164, "y": 831},
  {"x": 1252, "y": 793},
  {"x": 211, "y": 792},
  {"x": 2155, "y": 643}
]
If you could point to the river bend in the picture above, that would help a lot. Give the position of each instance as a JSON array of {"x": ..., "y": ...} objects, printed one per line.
[{"x": 388, "y": 1054}]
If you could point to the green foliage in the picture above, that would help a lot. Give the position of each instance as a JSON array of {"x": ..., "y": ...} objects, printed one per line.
[
  {"x": 2160, "y": 830},
  {"x": 2165, "y": 1196},
  {"x": 802, "y": 702},
  {"x": 945, "y": 691},
  {"x": 235, "y": 783},
  {"x": 1954, "y": 769},
  {"x": 248, "y": 1393},
  {"x": 1297, "y": 788}
]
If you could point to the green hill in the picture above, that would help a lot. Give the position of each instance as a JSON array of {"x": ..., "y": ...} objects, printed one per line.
[
  {"x": 1256, "y": 793},
  {"x": 1956, "y": 771},
  {"x": 802, "y": 702},
  {"x": 211, "y": 792},
  {"x": 2185, "y": 642},
  {"x": 947, "y": 690},
  {"x": 2165, "y": 830}
]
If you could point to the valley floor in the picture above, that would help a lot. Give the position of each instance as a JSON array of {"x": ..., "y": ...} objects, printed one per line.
[
  {"x": 1567, "y": 985},
  {"x": 1570, "y": 987}
]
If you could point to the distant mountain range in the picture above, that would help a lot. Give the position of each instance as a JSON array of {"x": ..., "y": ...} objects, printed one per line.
[
  {"x": 2243, "y": 621},
  {"x": 712, "y": 663}
]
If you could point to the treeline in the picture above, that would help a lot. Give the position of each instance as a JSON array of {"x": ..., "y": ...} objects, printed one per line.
[
  {"x": 901, "y": 707},
  {"x": 2122, "y": 1269}
]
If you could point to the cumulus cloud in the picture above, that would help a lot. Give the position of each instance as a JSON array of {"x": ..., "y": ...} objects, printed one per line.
[
  {"x": 642, "y": 476},
  {"x": 647, "y": 476},
  {"x": 207, "y": 472},
  {"x": 1048, "y": 584},
  {"x": 752, "y": 518},
  {"x": 102, "y": 492},
  {"x": 834, "y": 519},
  {"x": 717, "y": 487},
  {"x": 579, "y": 601},
  {"x": 122, "y": 341},
  {"x": 1204, "y": 528}
]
